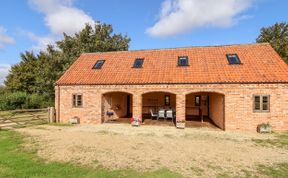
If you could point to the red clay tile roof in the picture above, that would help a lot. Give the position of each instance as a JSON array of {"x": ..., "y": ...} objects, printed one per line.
[{"x": 260, "y": 64}]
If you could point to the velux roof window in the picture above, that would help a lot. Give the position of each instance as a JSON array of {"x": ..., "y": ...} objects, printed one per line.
[
  {"x": 233, "y": 59},
  {"x": 98, "y": 64},
  {"x": 183, "y": 61},
  {"x": 138, "y": 63}
]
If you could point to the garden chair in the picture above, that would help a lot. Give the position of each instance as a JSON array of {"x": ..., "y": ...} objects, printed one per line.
[
  {"x": 153, "y": 115},
  {"x": 169, "y": 114},
  {"x": 161, "y": 114}
]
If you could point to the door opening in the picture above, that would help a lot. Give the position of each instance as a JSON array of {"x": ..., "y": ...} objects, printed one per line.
[{"x": 129, "y": 114}]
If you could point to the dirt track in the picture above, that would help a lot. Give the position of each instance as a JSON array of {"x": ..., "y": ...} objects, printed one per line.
[{"x": 191, "y": 152}]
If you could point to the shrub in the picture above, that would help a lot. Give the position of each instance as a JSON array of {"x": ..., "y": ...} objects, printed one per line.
[
  {"x": 11, "y": 101},
  {"x": 21, "y": 100},
  {"x": 33, "y": 101}
]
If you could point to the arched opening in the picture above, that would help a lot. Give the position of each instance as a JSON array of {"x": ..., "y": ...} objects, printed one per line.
[
  {"x": 117, "y": 107},
  {"x": 159, "y": 108},
  {"x": 205, "y": 109}
]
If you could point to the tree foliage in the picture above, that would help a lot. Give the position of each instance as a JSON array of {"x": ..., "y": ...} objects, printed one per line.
[
  {"x": 22, "y": 100},
  {"x": 277, "y": 36},
  {"x": 37, "y": 73},
  {"x": 97, "y": 39}
]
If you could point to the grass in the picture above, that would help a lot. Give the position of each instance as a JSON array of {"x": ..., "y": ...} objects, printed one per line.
[
  {"x": 15, "y": 162},
  {"x": 281, "y": 141},
  {"x": 273, "y": 171},
  {"x": 61, "y": 124},
  {"x": 276, "y": 171}
]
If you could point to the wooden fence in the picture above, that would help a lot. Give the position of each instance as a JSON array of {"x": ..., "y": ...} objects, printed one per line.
[{"x": 27, "y": 117}]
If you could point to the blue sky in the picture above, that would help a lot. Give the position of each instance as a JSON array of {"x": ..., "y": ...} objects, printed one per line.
[{"x": 32, "y": 24}]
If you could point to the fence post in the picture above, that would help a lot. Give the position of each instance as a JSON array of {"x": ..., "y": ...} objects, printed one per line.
[{"x": 51, "y": 114}]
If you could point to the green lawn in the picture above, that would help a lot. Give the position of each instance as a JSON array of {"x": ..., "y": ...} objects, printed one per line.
[
  {"x": 281, "y": 141},
  {"x": 14, "y": 163}
]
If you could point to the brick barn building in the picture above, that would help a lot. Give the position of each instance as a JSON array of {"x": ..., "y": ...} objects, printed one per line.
[{"x": 234, "y": 86}]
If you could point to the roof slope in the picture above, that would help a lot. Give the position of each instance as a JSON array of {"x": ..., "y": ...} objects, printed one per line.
[{"x": 260, "y": 64}]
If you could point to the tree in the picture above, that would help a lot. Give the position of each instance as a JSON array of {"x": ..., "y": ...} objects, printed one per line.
[
  {"x": 2, "y": 90},
  {"x": 37, "y": 73},
  {"x": 277, "y": 36},
  {"x": 97, "y": 39}
]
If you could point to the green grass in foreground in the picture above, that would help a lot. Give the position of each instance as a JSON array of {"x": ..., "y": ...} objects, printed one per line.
[
  {"x": 281, "y": 141},
  {"x": 277, "y": 171},
  {"x": 14, "y": 162}
]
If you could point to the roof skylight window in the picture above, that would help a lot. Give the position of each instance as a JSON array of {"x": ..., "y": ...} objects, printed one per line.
[
  {"x": 183, "y": 61},
  {"x": 233, "y": 59},
  {"x": 138, "y": 63},
  {"x": 99, "y": 64}
]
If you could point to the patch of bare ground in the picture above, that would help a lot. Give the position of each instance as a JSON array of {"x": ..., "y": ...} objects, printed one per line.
[{"x": 192, "y": 152}]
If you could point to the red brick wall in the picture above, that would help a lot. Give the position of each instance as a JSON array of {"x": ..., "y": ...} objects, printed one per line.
[
  {"x": 217, "y": 109},
  {"x": 238, "y": 109}
]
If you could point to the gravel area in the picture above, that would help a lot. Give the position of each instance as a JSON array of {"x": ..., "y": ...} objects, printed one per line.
[{"x": 192, "y": 152}]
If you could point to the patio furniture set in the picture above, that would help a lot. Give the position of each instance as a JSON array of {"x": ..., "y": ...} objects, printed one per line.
[{"x": 164, "y": 114}]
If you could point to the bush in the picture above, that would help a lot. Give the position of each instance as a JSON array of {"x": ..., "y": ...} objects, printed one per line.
[
  {"x": 33, "y": 101},
  {"x": 11, "y": 101},
  {"x": 21, "y": 100}
]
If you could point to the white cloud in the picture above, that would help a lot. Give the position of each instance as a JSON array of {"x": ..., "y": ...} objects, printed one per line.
[
  {"x": 61, "y": 16},
  {"x": 4, "y": 70},
  {"x": 4, "y": 38},
  {"x": 41, "y": 42},
  {"x": 182, "y": 16}
]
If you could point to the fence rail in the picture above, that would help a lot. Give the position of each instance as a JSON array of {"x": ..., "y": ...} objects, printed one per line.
[{"x": 25, "y": 117}]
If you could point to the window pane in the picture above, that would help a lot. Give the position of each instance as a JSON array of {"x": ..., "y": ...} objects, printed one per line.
[
  {"x": 79, "y": 100},
  {"x": 138, "y": 63},
  {"x": 167, "y": 100},
  {"x": 233, "y": 59},
  {"x": 98, "y": 64},
  {"x": 197, "y": 100},
  {"x": 257, "y": 103},
  {"x": 74, "y": 100},
  {"x": 265, "y": 103},
  {"x": 183, "y": 61}
]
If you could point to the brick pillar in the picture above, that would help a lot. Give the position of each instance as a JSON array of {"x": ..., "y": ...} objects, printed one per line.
[
  {"x": 137, "y": 106},
  {"x": 57, "y": 103},
  {"x": 97, "y": 104},
  {"x": 180, "y": 107}
]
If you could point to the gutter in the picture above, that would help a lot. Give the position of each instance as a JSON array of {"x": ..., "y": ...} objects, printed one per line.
[{"x": 198, "y": 83}]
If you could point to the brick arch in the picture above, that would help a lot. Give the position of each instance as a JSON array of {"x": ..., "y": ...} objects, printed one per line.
[
  {"x": 118, "y": 102},
  {"x": 205, "y": 91},
  {"x": 153, "y": 100},
  {"x": 159, "y": 91},
  {"x": 213, "y": 109},
  {"x": 117, "y": 91}
]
